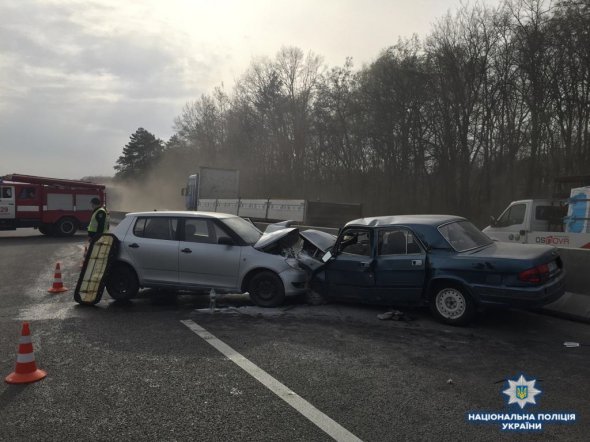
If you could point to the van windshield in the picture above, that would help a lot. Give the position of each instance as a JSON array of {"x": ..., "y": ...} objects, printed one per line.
[{"x": 462, "y": 236}]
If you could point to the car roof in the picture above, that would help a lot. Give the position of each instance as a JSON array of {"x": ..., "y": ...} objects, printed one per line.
[
  {"x": 184, "y": 213},
  {"x": 425, "y": 220}
]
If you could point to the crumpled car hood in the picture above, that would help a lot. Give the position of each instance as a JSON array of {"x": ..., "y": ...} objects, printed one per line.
[
  {"x": 269, "y": 239},
  {"x": 291, "y": 242},
  {"x": 322, "y": 240}
]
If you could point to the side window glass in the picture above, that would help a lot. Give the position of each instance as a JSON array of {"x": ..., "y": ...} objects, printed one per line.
[
  {"x": 397, "y": 242},
  {"x": 513, "y": 216},
  {"x": 197, "y": 230},
  {"x": 392, "y": 242},
  {"x": 356, "y": 242},
  {"x": 219, "y": 233},
  {"x": 6, "y": 192},
  {"x": 139, "y": 228},
  {"x": 156, "y": 228},
  {"x": 27, "y": 193}
]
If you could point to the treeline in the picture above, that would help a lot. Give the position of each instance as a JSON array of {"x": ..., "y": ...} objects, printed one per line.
[{"x": 490, "y": 107}]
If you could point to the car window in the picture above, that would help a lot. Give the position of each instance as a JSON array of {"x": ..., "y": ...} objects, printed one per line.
[
  {"x": 462, "y": 235},
  {"x": 198, "y": 230},
  {"x": 219, "y": 233},
  {"x": 512, "y": 216},
  {"x": 397, "y": 242},
  {"x": 355, "y": 242},
  {"x": 156, "y": 228}
]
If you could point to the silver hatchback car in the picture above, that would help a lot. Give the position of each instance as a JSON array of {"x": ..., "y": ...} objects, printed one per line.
[{"x": 202, "y": 250}]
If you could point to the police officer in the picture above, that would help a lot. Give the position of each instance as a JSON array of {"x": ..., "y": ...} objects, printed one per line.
[{"x": 99, "y": 221}]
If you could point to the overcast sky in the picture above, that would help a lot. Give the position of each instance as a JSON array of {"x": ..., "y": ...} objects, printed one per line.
[{"x": 78, "y": 77}]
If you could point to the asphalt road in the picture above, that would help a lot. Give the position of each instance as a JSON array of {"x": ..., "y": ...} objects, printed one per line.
[{"x": 134, "y": 371}]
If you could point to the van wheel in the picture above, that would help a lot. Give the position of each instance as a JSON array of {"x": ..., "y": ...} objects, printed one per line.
[
  {"x": 66, "y": 227},
  {"x": 452, "y": 304},
  {"x": 266, "y": 289},
  {"x": 122, "y": 282}
]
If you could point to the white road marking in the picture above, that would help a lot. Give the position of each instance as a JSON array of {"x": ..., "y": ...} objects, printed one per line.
[{"x": 324, "y": 422}]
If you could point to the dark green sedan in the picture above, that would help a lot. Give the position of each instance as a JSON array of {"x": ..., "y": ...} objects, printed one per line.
[{"x": 440, "y": 260}]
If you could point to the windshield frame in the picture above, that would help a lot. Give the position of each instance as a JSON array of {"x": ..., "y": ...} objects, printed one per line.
[
  {"x": 485, "y": 240},
  {"x": 244, "y": 229}
]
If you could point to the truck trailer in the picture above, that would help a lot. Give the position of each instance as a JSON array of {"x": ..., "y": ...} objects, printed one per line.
[{"x": 54, "y": 206}]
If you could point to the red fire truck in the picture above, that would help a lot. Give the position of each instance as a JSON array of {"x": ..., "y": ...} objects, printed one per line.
[{"x": 54, "y": 206}]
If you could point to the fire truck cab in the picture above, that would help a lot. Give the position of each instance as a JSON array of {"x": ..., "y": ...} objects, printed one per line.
[{"x": 54, "y": 206}]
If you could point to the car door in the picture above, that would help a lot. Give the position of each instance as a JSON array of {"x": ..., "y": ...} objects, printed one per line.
[
  {"x": 349, "y": 273},
  {"x": 203, "y": 262},
  {"x": 400, "y": 267},
  {"x": 152, "y": 245}
]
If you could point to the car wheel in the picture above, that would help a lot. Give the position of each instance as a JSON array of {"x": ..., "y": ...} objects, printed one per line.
[
  {"x": 266, "y": 289},
  {"x": 122, "y": 283},
  {"x": 452, "y": 305},
  {"x": 66, "y": 227},
  {"x": 315, "y": 298}
]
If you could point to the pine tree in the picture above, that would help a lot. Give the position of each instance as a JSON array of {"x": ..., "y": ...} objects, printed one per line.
[{"x": 139, "y": 155}]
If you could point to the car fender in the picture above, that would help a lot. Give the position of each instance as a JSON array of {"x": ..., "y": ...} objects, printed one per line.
[
  {"x": 453, "y": 279},
  {"x": 126, "y": 261}
]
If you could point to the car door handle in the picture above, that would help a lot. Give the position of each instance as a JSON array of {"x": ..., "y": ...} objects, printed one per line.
[
  {"x": 187, "y": 250},
  {"x": 134, "y": 245},
  {"x": 417, "y": 262},
  {"x": 365, "y": 265}
]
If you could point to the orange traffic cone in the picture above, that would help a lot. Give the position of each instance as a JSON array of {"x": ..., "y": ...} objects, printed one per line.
[
  {"x": 26, "y": 370},
  {"x": 57, "y": 284}
]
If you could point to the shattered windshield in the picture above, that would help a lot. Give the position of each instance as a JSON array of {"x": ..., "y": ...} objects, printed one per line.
[
  {"x": 462, "y": 236},
  {"x": 245, "y": 229}
]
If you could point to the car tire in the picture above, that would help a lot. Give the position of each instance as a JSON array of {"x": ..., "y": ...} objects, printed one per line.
[
  {"x": 122, "y": 283},
  {"x": 266, "y": 289},
  {"x": 452, "y": 304},
  {"x": 66, "y": 227},
  {"x": 315, "y": 298}
]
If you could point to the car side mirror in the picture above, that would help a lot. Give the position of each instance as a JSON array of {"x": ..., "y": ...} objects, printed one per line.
[
  {"x": 327, "y": 256},
  {"x": 225, "y": 241}
]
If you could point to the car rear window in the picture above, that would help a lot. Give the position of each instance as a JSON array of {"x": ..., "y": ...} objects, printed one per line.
[
  {"x": 462, "y": 236},
  {"x": 155, "y": 228}
]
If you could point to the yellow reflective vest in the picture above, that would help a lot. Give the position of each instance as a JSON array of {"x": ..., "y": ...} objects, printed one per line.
[{"x": 93, "y": 225}]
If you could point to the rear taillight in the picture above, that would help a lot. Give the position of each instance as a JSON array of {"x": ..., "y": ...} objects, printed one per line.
[{"x": 536, "y": 274}]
